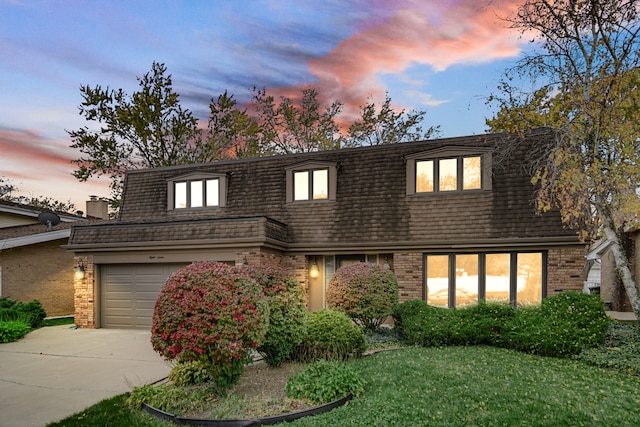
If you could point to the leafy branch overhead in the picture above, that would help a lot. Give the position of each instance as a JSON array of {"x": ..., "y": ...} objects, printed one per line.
[
  {"x": 151, "y": 129},
  {"x": 584, "y": 74}
]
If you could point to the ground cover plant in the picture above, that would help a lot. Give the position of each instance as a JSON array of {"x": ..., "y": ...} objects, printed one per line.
[
  {"x": 366, "y": 292},
  {"x": 620, "y": 352}
]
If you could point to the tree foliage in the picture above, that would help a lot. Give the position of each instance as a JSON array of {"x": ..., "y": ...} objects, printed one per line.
[
  {"x": 150, "y": 128},
  {"x": 7, "y": 188},
  {"x": 584, "y": 77},
  {"x": 146, "y": 129}
]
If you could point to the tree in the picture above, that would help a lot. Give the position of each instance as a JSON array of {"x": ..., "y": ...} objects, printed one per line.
[
  {"x": 146, "y": 129},
  {"x": 585, "y": 78},
  {"x": 7, "y": 188},
  {"x": 270, "y": 127},
  {"x": 388, "y": 126}
]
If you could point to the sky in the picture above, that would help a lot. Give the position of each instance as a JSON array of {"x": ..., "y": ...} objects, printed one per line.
[{"x": 441, "y": 56}]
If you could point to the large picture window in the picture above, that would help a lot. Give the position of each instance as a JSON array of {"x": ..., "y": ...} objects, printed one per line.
[{"x": 456, "y": 280}]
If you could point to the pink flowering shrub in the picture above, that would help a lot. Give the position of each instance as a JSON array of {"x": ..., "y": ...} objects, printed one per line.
[
  {"x": 365, "y": 292},
  {"x": 211, "y": 313},
  {"x": 287, "y": 314}
]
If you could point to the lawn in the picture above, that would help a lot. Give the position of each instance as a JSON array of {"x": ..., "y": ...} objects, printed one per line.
[{"x": 456, "y": 386}]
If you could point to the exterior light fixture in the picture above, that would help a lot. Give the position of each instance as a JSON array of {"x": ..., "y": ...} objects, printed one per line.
[
  {"x": 314, "y": 271},
  {"x": 79, "y": 271}
]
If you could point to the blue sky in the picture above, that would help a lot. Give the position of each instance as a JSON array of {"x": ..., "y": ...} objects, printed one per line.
[{"x": 442, "y": 56}]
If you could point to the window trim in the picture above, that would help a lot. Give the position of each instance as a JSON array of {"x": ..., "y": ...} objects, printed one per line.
[
  {"x": 310, "y": 166},
  {"x": 191, "y": 177},
  {"x": 444, "y": 153}
]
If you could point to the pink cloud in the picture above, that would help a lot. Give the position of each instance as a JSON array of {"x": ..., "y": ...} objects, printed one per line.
[
  {"x": 41, "y": 167},
  {"x": 439, "y": 34}
]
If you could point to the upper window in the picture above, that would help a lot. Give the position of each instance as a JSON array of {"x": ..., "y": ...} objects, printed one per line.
[
  {"x": 448, "y": 170},
  {"x": 196, "y": 191},
  {"x": 311, "y": 181}
]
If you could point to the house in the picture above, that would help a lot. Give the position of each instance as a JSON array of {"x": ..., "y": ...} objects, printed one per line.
[
  {"x": 612, "y": 291},
  {"x": 33, "y": 264},
  {"x": 453, "y": 220}
]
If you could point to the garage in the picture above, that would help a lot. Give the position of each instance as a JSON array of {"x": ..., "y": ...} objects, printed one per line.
[{"x": 129, "y": 293}]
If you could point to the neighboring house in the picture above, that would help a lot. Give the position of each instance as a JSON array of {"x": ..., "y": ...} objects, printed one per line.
[
  {"x": 612, "y": 291},
  {"x": 33, "y": 265},
  {"x": 453, "y": 224}
]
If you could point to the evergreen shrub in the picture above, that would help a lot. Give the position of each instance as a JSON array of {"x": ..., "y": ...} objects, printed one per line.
[
  {"x": 366, "y": 292},
  {"x": 212, "y": 313},
  {"x": 330, "y": 335}
]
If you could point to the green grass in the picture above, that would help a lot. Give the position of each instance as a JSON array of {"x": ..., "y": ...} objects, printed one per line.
[
  {"x": 111, "y": 412},
  {"x": 57, "y": 321},
  {"x": 456, "y": 386}
]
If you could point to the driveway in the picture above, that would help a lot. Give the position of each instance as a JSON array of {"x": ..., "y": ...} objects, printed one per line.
[{"x": 57, "y": 371}]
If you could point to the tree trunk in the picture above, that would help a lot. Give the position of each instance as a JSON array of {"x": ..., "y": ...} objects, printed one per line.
[{"x": 624, "y": 269}]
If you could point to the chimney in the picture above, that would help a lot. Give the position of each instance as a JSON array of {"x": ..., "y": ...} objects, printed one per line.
[{"x": 97, "y": 208}]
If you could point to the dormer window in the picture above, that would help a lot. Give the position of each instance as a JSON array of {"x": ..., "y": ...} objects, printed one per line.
[
  {"x": 197, "y": 191},
  {"x": 311, "y": 181},
  {"x": 448, "y": 170}
]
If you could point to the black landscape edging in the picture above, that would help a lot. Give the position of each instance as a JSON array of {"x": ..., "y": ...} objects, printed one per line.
[{"x": 291, "y": 416}]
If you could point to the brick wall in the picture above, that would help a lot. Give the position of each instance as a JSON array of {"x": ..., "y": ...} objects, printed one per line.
[
  {"x": 408, "y": 270},
  {"x": 42, "y": 271},
  {"x": 84, "y": 295},
  {"x": 565, "y": 269}
]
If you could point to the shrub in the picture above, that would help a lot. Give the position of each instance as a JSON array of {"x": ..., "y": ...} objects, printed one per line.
[
  {"x": 562, "y": 326},
  {"x": 213, "y": 313},
  {"x": 366, "y": 292},
  {"x": 483, "y": 323},
  {"x": 423, "y": 324},
  {"x": 330, "y": 335},
  {"x": 191, "y": 372},
  {"x": 31, "y": 313},
  {"x": 13, "y": 330},
  {"x": 324, "y": 381},
  {"x": 287, "y": 313}
]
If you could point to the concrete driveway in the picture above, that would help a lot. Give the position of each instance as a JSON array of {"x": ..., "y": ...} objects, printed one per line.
[{"x": 57, "y": 371}]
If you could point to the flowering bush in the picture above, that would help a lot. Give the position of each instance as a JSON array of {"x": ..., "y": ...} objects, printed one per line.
[
  {"x": 365, "y": 292},
  {"x": 212, "y": 313},
  {"x": 287, "y": 314}
]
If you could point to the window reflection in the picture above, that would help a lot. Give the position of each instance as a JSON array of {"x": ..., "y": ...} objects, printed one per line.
[
  {"x": 424, "y": 176},
  {"x": 213, "y": 192},
  {"x": 321, "y": 184},
  {"x": 448, "y": 175},
  {"x": 301, "y": 185},
  {"x": 497, "y": 278},
  {"x": 471, "y": 178},
  {"x": 529, "y": 278},
  {"x": 466, "y": 279},
  {"x": 180, "y": 195},
  {"x": 438, "y": 280},
  {"x": 196, "y": 194}
]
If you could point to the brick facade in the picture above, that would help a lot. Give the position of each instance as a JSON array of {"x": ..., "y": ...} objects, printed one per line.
[{"x": 40, "y": 271}]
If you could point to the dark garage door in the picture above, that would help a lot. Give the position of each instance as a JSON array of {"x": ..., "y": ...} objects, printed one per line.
[{"x": 129, "y": 293}]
